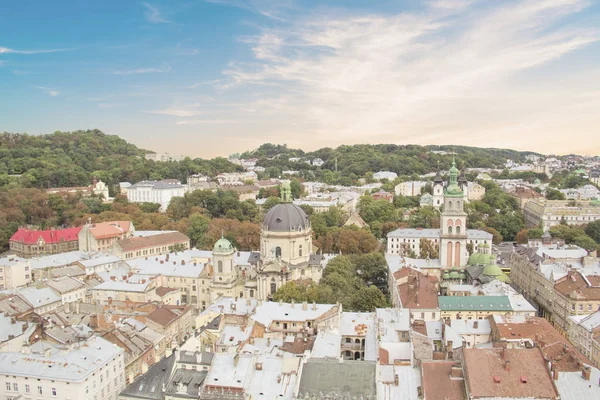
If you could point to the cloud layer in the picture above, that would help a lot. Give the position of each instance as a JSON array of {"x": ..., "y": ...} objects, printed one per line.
[{"x": 469, "y": 72}]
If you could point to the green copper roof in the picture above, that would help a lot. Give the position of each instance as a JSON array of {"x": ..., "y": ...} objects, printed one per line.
[
  {"x": 454, "y": 275},
  {"x": 453, "y": 189},
  {"x": 480, "y": 259},
  {"x": 462, "y": 276},
  {"x": 222, "y": 246},
  {"x": 474, "y": 303},
  {"x": 286, "y": 192},
  {"x": 537, "y": 181},
  {"x": 493, "y": 271},
  {"x": 446, "y": 276}
]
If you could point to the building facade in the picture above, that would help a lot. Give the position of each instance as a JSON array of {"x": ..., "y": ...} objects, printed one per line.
[
  {"x": 160, "y": 192},
  {"x": 29, "y": 243}
]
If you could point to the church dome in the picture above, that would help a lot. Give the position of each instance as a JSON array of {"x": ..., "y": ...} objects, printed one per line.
[
  {"x": 223, "y": 246},
  {"x": 480, "y": 259},
  {"x": 286, "y": 217}
]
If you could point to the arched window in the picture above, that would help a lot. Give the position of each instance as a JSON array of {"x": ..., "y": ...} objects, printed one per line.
[
  {"x": 450, "y": 230},
  {"x": 278, "y": 252},
  {"x": 458, "y": 230},
  {"x": 251, "y": 292},
  {"x": 220, "y": 266},
  {"x": 300, "y": 251},
  {"x": 273, "y": 287}
]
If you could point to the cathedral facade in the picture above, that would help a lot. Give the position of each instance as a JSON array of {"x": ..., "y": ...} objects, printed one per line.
[{"x": 286, "y": 254}]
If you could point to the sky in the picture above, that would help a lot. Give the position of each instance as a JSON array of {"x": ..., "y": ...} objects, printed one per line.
[{"x": 208, "y": 78}]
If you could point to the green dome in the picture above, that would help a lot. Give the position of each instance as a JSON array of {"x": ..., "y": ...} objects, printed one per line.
[
  {"x": 223, "y": 246},
  {"x": 480, "y": 259},
  {"x": 537, "y": 181},
  {"x": 492, "y": 271},
  {"x": 462, "y": 276},
  {"x": 446, "y": 276},
  {"x": 454, "y": 275}
]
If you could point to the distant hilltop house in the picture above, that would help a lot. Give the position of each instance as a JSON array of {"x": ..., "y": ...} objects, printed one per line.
[
  {"x": 97, "y": 188},
  {"x": 381, "y": 175},
  {"x": 160, "y": 192},
  {"x": 163, "y": 157},
  {"x": 29, "y": 243}
]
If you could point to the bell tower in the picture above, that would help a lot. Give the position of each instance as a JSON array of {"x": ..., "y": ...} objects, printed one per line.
[{"x": 453, "y": 224}]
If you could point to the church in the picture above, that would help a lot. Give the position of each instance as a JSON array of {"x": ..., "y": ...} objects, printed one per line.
[
  {"x": 286, "y": 254},
  {"x": 453, "y": 237}
]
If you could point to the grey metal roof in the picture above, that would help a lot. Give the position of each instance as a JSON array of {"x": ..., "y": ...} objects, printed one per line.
[
  {"x": 186, "y": 383},
  {"x": 149, "y": 385},
  {"x": 195, "y": 357},
  {"x": 338, "y": 380},
  {"x": 286, "y": 217}
]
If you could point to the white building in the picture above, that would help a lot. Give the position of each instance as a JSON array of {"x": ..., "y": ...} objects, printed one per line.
[
  {"x": 381, "y": 175},
  {"x": 410, "y": 188},
  {"x": 90, "y": 370},
  {"x": 14, "y": 272},
  {"x": 163, "y": 157},
  {"x": 587, "y": 192},
  {"x": 160, "y": 192}
]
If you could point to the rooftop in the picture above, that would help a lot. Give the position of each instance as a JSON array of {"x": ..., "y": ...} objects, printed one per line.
[
  {"x": 111, "y": 229},
  {"x": 337, "y": 379},
  {"x": 474, "y": 303},
  {"x": 438, "y": 382},
  {"x": 149, "y": 385},
  {"x": 28, "y": 236},
  {"x": 65, "y": 284},
  {"x": 488, "y": 375},
  {"x": 272, "y": 311},
  {"x": 73, "y": 366},
  {"x": 141, "y": 242}
]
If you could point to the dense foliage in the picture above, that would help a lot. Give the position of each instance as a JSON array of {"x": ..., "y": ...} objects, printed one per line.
[
  {"x": 357, "y": 282},
  {"x": 65, "y": 159}
]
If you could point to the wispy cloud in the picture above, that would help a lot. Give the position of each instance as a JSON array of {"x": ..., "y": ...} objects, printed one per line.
[
  {"x": 187, "y": 111},
  {"x": 154, "y": 15},
  {"x": 6, "y": 50},
  {"x": 48, "y": 91},
  {"x": 454, "y": 71},
  {"x": 213, "y": 82},
  {"x": 206, "y": 121},
  {"x": 139, "y": 71}
]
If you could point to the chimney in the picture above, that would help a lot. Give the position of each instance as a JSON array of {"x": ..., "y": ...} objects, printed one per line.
[
  {"x": 182, "y": 262},
  {"x": 396, "y": 380},
  {"x": 162, "y": 261},
  {"x": 293, "y": 303},
  {"x": 174, "y": 262},
  {"x": 504, "y": 351},
  {"x": 304, "y": 306},
  {"x": 258, "y": 366},
  {"x": 113, "y": 278},
  {"x": 279, "y": 378},
  {"x": 555, "y": 374},
  {"x": 586, "y": 372},
  {"x": 146, "y": 258},
  {"x": 47, "y": 352},
  {"x": 314, "y": 307},
  {"x": 124, "y": 277},
  {"x": 456, "y": 371}
]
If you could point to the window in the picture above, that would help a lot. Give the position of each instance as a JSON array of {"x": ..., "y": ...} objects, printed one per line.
[
  {"x": 40, "y": 390},
  {"x": 220, "y": 266},
  {"x": 8, "y": 387},
  {"x": 87, "y": 390},
  {"x": 278, "y": 252},
  {"x": 53, "y": 392},
  {"x": 300, "y": 251},
  {"x": 15, "y": 387},
  {"x": 27, "y": 389}
]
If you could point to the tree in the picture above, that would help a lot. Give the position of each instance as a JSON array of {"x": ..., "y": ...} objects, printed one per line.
[
  {"x": 367, "y": 299},
  {"x": 197, "y": 229},
  {"x": 427, "y": 249},
  {"x": 593, "y": 230},
  {"x": 553, "y": 194},
  {"x": 585, "y": 242},
  {"x": 149, "y": 207},
  {"x": 372, "y": 269},
  {"x": 424, "y": 217},
  {"x": 270, "y": 203},
  {"x": 522, "y": 237},
  {"x": 496, "y": 236}
]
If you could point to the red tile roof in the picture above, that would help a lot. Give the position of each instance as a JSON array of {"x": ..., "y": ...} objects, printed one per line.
[
  {"x": 417, "y": 291},
  {"x": 488, "y": 375},
  {"x": 104, "y": 230},
  {"x": 438, "y": 382},
  {"x": 554, "y": 346},
  {"x": 27, "y": 236}
]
